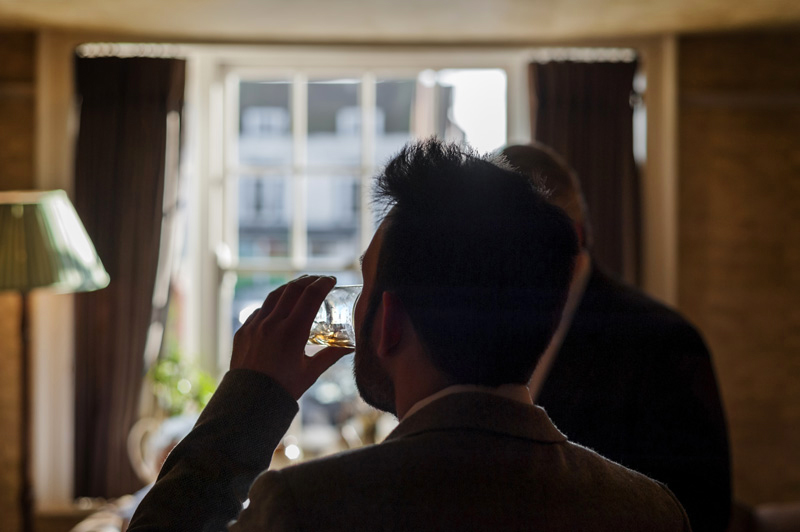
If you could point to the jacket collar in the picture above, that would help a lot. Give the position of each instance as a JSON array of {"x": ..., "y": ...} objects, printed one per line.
[{"x": 481, "y": 412}]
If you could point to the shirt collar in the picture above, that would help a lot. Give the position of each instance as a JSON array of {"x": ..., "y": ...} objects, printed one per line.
[{"x": 515, "y": 392}]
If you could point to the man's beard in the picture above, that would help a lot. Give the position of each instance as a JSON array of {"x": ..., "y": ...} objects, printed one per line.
[{"x": 373, "y": 382}]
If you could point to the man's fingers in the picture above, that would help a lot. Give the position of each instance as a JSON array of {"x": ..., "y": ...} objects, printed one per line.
[
  {"x": 326, "y": 358},
  {"x": 290, "y": 295},
  {"x": 311, "y": 299},
  {"x": 269, "y": 303},
  {"x": 272, "y": 300}
]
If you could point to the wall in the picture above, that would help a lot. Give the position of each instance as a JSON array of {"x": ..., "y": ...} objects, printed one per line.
[
  {"x": 739, "y": 237},
  {"x": 17, "y": 109}
]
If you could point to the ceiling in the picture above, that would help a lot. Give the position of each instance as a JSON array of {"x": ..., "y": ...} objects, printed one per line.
[{"x": 398, "y": 21}]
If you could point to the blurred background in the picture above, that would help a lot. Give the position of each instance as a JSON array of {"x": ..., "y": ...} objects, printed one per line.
[{"x": 264, "y": 123}]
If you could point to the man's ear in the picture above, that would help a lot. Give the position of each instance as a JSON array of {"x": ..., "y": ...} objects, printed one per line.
[{"x": 393, "y": 322}]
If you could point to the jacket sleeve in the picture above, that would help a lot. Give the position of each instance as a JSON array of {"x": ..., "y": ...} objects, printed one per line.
[{"x": 205, "y": 479}]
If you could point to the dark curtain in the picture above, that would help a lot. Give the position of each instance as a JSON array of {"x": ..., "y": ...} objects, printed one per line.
[
  {"x": 583, "y": 111},
  {"x": 119, "y": 193}
]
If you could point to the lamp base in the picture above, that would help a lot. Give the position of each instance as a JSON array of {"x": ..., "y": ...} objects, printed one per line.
[{"x": 26, "y": 485}]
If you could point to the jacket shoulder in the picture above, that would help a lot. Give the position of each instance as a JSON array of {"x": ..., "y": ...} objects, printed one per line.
[
  {"x": 618, "y": 489},
  {"x": 375, "y": 488},
  {"x": 610, "y": 307}
]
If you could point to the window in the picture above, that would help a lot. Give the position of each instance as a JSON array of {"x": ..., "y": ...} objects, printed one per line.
[
  {"x": 300, "y": 156},
  {"x": 285, "y": 148},
  {"x": 300, "y": 163}
]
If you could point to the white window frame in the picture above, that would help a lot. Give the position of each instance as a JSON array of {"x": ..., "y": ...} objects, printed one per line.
[{"x": 213, "y": 76}]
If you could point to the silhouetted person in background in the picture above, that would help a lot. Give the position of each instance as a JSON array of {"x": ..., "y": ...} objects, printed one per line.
[
  {"x": 464, "y": 284},
  {"x": 628, "y": 377}
]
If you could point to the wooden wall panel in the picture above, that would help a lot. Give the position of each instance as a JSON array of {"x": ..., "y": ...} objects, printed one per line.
[
  {"x": 10, "y": 455},
  {"x": 16, "y": 140},
  {"x": 739, "y": 242},
  {"x": 17, "y": 107}
]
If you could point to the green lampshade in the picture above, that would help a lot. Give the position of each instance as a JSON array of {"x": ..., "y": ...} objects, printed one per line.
[{"x": 44, "y": 244}]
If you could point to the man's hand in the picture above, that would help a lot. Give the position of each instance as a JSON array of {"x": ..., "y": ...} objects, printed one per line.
[{"x": 273, "y": 339}]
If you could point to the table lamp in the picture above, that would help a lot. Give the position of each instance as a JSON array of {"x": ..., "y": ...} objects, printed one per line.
[{"x": 43, "y": 244}]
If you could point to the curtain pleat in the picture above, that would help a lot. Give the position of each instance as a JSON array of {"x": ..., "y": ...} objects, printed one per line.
[
  {"x": 119, "y": 191},
  {"x": 583, "y": 111}
]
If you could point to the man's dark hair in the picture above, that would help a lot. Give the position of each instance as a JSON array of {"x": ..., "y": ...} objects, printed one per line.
[{"x": 478, "y": 257}]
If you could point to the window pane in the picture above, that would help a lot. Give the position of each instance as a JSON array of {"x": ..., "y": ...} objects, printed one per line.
[
  {"x": 265, "y": 210},
  {"x": 334, "y": 122},
  {"x": 472, "y": 107},
  {"x": 333, "y": 217},
  {"x": 395, "y": 100},
  {"x": 265, "y": 123}
]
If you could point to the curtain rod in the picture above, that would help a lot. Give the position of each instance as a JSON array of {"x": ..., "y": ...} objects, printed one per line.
[
  {"x": 114, "y": 49},
  {"x": 584, "y": 55},
  {"x": 537, "y": 55}
]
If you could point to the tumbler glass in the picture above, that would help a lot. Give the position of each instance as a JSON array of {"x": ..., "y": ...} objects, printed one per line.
[{"x": 333, "y": 324}]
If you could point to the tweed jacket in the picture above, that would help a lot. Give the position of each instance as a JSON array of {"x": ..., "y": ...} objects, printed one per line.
[
  {"x": 466, "y": 462},
  {"x": 634, "y": 381}
]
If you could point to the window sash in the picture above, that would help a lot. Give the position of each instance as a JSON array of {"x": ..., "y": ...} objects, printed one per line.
[{"x": 299, "y": 172}]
